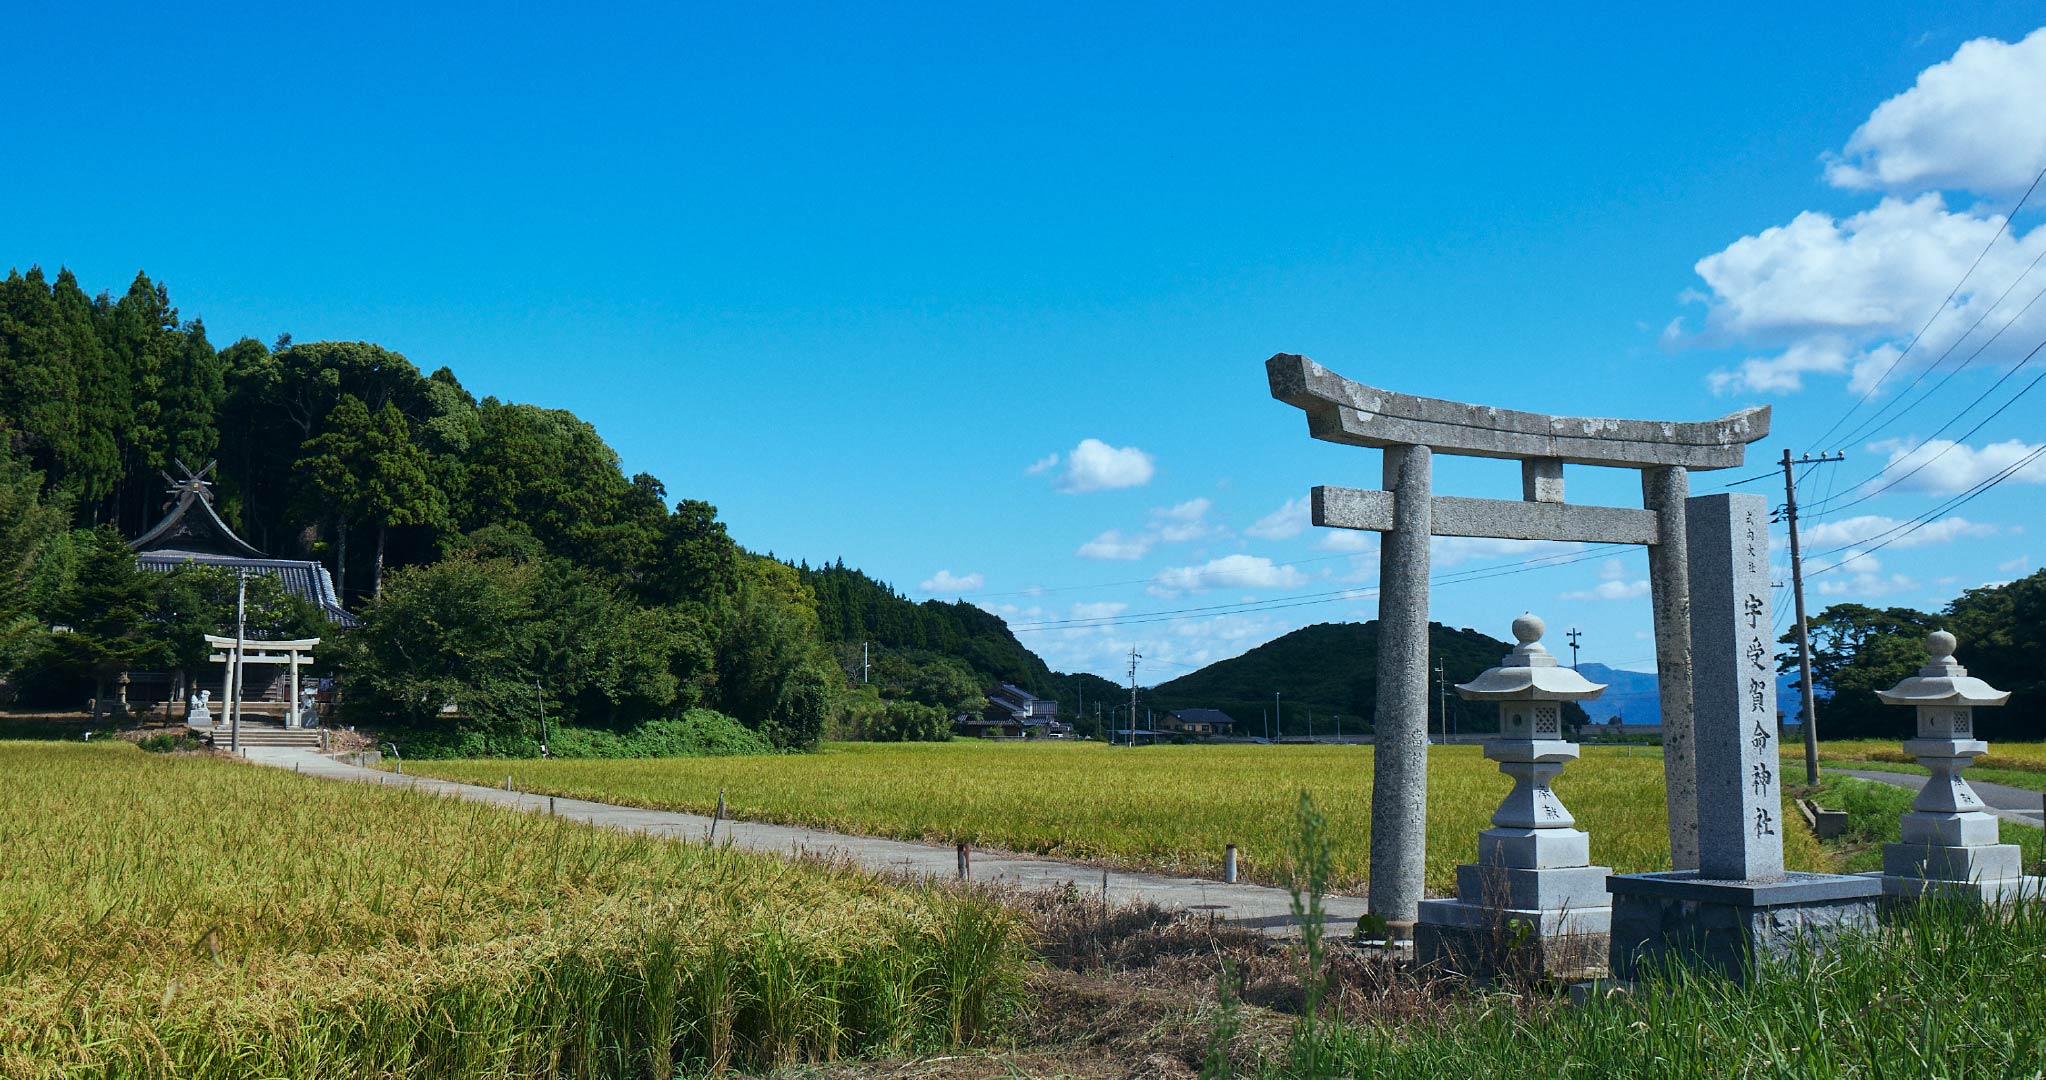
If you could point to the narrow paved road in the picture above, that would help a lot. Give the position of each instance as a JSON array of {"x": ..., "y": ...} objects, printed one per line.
[
  {"x": 1253, "y": 906},
  {"x": 2006, "y": 802}
]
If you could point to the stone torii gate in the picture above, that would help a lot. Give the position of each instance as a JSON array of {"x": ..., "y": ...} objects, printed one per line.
[{"x": 1407, "y": 511}]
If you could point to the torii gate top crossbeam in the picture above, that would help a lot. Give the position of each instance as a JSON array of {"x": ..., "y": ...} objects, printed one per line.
[{"x": 1339, "y": 410}]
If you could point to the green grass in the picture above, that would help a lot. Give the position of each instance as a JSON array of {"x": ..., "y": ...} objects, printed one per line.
[
  {"x": 1166, "y": 808},
  {"x": 1938, "y": 990},
  {"x": 1948, "y": 992},
  {"x": 1875, "y": 816},
  {"x": 192, "y": 917}
]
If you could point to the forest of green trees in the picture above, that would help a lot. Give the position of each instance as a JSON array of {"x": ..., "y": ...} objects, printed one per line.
[
  {"x": 1857, "y": 650},
  {"x": 498, "y": 556}
]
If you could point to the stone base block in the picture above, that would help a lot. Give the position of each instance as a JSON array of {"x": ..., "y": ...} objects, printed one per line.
[
  {"x": 1731, "y": 926},
  {"x": 1975, "y": 829},
  {"x": 1553, "y": 889},
  {"x": 1487, "y": 943},
  {"x": 1903, "y": 890},
  {"x": 1540, "y": 849},
  {"x": 1938, "y": 862}
]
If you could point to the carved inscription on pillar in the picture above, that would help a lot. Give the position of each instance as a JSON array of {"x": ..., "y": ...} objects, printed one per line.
[{"x": 1734, "y": 664}]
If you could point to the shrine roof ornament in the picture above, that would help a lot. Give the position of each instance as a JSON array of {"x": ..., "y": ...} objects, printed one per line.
[
  {"x": 1943, "y": 681},
  {"x": 1529, "y": 673},
  {"x": 192, "y": 525},
  {"x": 1340, "y": 410}
]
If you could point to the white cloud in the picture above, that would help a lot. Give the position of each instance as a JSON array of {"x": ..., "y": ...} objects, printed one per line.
[
  {"x": 1609, "y": 590},
  {"x": 2015, "y": 566},
  {"x": 1106, "y": 609},
  {"x": 1230, "y": 572},
  {"x": 1096, "y": 466},
  {"x": 1114, "y": 545},
  {"x": 1612, "y": 570},
  {"x": 1175, "y": 524},
  {"x": 1824, "y": 296},
  {"x": 1841, "y": 296},
  {"x": 1285, "y": 523},
  {"x": 1866, "y": 527},
  {"x": 1043, "y": 464},
  {"x": 1975, "y": 122},
  {"x": 1860, "y": 576},
  {"x": 1945, "y": 467},
  {"x": 1183, "y": 522},
  {"x": 1355, "y": 540},
  {"x": 946, "y": 583}
]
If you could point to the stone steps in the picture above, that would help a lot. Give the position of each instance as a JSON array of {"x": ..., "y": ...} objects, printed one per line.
[{"x": 267, "y": 735}]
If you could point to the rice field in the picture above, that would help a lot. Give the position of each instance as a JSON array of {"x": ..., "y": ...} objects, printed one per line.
[
  {"x": 2012, "y": 756},
  {"x": 1165, "y": 808},
  {"x": 2015, "y": 764},
  {"x": 191, "y": 917}
]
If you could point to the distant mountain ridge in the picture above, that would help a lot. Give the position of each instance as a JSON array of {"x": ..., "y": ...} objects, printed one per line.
[
  {"x": 1328, "y": 670},
  {"x": 1636, "y": 696}
]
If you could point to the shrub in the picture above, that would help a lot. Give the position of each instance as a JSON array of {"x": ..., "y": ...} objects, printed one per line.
[{"x": 696, "y": 733}]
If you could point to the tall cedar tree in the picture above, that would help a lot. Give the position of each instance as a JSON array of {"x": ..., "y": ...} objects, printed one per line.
[
  {"x": 336, "y": 471},
  {"x": 106, "y": 610}
]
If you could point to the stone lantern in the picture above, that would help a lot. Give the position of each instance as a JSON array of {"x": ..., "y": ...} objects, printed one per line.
[
  {"x": 1950, "y": 843},
  {"x": 1532, "y": 890}
]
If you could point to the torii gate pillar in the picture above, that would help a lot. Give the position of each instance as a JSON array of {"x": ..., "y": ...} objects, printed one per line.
[
  {"x": 1399, "y": 783},
  {"x": 1410, "y": 430}
]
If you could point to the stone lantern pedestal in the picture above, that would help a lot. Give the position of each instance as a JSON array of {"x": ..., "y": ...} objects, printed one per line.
[
  {"x": 1950, "y": 842},
  {"x": 1531, "y": 903}
]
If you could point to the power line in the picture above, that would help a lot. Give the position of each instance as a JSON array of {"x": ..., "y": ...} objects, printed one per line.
[
  {"x": 1857, "y": 432},
  {"x": 1280, "y": 603},
  {"x": 1475, "y": 573},
  {"x": 1916, "y": 469},
  {"x": 1937, "y": 312},
  {"x": 1905, "y": 529}
]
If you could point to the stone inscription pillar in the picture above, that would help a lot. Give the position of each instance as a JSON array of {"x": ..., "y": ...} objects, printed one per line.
[
  {"x": 1740, "y": 794},
  {"x": 1664, "y": 490},
  {"x": 1399, "y": 789}
]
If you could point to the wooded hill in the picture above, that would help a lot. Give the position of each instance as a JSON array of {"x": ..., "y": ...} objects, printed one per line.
[
  {"x": 1331, "y": 669},
  {"x": 855, "y": 609},
  {"x": 499, "y": 557}
]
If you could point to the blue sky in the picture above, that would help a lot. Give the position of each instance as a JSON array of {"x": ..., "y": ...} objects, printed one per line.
[{"x": 857, "y": 275}]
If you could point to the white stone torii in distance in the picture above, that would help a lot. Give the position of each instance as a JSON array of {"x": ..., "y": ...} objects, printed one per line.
[
  {"x": 292, "y": 652},
  {"x": 1411, "y": 430}
]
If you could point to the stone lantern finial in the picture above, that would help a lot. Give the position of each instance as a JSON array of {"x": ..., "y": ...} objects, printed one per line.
[{"x": 1950, "y": 842}]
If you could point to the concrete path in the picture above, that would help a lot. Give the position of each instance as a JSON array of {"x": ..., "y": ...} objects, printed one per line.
[
  {"x": 2006, "y": 802},
  {"x": 1253, "y": 906}
]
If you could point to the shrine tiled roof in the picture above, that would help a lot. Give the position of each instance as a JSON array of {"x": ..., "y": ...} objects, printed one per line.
[
  {"x": 303, "y": 578},
  {"x": 192, "y": 534}
]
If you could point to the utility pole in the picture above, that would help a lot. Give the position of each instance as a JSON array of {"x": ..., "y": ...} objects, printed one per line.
[
  {"x": 540, "y": 702},
  {"x": 1442, "y": 695},
  {"x": 241, "y": 624},
  {"x": 863, "y": 663},
  {"x": 1809, "y": 718},
  {"x": 1278, "y": 724},
  {"x": 1573, "y": 635},
  {"x": 1134, "y": 657}
]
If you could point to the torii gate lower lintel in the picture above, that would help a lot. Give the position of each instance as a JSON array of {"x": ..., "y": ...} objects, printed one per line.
[{"x": 1411, "y": 430}]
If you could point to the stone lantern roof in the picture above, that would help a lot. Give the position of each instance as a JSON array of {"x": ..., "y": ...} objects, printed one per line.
[
  {"x": 1943, "y": 681},
  {"x": 1529, "y": 673}
]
